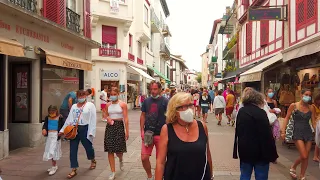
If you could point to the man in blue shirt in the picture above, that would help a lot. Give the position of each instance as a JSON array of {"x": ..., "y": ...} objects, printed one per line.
[
  {"x": 68, "y": 101},
  {"x": 211, "y": 94}
]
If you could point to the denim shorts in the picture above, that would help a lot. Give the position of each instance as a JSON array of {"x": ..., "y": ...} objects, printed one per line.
[{"x": 205, "y": 109}]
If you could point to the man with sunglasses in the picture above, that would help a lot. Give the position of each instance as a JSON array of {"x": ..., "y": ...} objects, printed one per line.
[{"x": 151, "y": 121}]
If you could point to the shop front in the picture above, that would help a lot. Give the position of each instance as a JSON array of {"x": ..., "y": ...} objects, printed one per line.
[
  {"x": 264, "y": 75},
  {"x": 39, "y": 66}
]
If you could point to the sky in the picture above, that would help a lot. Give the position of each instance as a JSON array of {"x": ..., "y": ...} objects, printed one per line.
[{"x": 190, "y": 23}]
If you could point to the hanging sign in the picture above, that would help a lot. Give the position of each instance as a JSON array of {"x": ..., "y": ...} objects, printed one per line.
[
  {"x": 114, "y": 6},
  {"x": 266, "y": 13}
]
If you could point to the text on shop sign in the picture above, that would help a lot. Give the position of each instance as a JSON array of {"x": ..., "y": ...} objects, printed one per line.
[
  {"x": 32, "y": 34},
  {"x": 4, "y": 25},
  {"x": 110, "y": 75},
  {"x": 67, "y": 46},
  {"x": 71, "y": 64}
]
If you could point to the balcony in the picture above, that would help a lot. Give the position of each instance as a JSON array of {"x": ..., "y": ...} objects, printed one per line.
[
  {"x": 73, "y": 21},
  {"x": 164, "y": 50},
  {"x": 156, "y": 24},
  {"x": 29, "y": 5},
  {"x": 165, "y": 30},
  {"x": 131, "y": 57},
  {"x": 109, "y": 52},
  {"x": 139, "y": 61}
]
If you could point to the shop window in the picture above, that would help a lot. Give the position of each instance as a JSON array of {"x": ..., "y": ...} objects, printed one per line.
[
  {"x": 249, "y": 38},
  {"x": 55, "y": 11},
  {"x": 264, "y": 32},
  {"x": 109, "y": 37},
  {"x": 57, "y": 82},
  {"x": 306, "y": 12}
]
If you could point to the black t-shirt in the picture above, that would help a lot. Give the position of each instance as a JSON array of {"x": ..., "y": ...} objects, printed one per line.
[{"x": 155, "y": 110}]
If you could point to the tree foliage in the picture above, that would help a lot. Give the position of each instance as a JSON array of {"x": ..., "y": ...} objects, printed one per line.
[{"x": 199, "y": 77}]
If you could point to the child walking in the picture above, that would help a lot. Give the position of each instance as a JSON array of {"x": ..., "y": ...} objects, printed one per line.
[{"x": 52, "y": 125}]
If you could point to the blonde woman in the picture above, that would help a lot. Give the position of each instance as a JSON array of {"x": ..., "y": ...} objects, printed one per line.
[
  {"x": 187, "y": 154},
  {"x": 117, "y": 130}
]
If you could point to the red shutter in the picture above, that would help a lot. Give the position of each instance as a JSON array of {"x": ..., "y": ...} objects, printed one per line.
[
  {"x": 55, "y": 10},
  {"x": 311, "y": 9},
  {"x": 300, "y": 13},
  {"x": 87, "y": 19},
  {"x": 245, "y": 4},
  {"x": 264, "y": 32},
  {"x": 238, "y": 47},
  {"x": 130, "y": 40},
  {"x": 109, "y": 34},
  {"x": 249, "y": 38}
]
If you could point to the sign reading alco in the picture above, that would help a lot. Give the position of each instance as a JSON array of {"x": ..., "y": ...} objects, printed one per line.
[{"x": 109, "y": 75}]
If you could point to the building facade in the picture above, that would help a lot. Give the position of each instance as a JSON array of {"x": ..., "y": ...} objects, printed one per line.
[
  {"x": 205, "y": 69},
  {"x": 45, "y": 52},
  {"x": 192, "y": 79},
  {"x": 178, "y": 72}
]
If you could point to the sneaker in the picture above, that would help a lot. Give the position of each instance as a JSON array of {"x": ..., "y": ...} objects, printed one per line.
[
  {"x": 50, "y": 169},
  {"x": 53, "y": 170},
  {"x": 150, "y": 178},
  {"x": 121, "y": 165},
  {"x": 112, "y": 176}
]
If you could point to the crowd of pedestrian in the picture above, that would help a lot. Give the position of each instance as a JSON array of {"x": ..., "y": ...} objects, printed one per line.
[{"x": 168, "y": 122}]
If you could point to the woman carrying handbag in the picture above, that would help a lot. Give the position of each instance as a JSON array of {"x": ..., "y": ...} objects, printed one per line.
[
  {"x": 80, "y": 126},
  {"x": 296, "y": 127}
]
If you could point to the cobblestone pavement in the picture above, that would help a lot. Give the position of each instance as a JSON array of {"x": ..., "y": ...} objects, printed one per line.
[{"x": 27, "y": 164}]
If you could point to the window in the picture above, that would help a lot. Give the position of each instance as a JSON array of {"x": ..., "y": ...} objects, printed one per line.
[
  {"x": 148, "y": 45},
  {"x": 306, "y": 12},
  {"x": 245, "y": 4},
  {"x": 130, "y": 43},
  {"x": 71, "y": 4},
  {"x": 249, "y": 38},
  {"x": 139, "y": 49},
  {"x": 264, "y": 32},
  {"x": 146, "y": 15},
  {"x": 55, "y": 11},
  {"x": 57, "y": 83},
  {"x": 109, "y": 37}
]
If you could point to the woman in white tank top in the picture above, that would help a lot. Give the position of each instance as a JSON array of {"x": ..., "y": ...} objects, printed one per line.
[{"x": 117, "y": 130}]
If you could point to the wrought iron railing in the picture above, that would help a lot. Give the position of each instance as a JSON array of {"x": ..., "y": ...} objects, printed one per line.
[
  {"x": 73, "y": 21},
  {"x": 110, "y": 52},
  {"x": 131, "y": 57},
  {"x": 139, "y": 61},
  {"x": 164, "y": 49},
  {"x": 29, "y": 5}
]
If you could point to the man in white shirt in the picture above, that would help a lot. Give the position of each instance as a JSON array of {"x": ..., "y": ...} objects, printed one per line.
[{"x": 104, "y": 97}]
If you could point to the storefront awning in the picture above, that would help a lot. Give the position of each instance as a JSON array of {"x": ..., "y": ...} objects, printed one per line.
[
  {"x": 142, "y": 73},
  {"x": 160, "y": 74},
  {"x": 303, "y": 48},
  {"x": 11, "y": 48},
  {"x": 62, "y": 60},
  {"x": 254, "y": 74},
  {"x": 233, "y": 74}
]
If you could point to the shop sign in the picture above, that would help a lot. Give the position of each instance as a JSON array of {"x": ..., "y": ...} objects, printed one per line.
[
  {"x": 133, "y": 77},
  {"x": 109, "y": 75},
  {"x": 251, "y": 77}
]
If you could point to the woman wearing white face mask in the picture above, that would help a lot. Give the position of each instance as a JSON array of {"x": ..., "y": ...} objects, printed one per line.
[
  {"x": 187, "y": 155},
  {"x": 117, "y": 130}
]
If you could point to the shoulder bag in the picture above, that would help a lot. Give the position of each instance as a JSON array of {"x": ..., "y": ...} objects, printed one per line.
[
  {"x": 71, "y": 131},
  {"x": 290, "y": 126}
]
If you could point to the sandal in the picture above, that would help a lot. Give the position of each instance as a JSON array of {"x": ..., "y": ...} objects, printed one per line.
[
  {"x": 72, "y": 174},
  {"x": 93, "y": 164},
  {"x": 303, "y": 178},
  {"x": 293, "y": 173}
]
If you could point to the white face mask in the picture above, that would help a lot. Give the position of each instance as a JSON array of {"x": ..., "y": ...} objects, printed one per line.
[{"x": 187, "y": 115}]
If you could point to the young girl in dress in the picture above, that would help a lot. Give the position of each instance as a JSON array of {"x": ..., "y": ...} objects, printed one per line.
[{"x": 52, "y": 125}]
